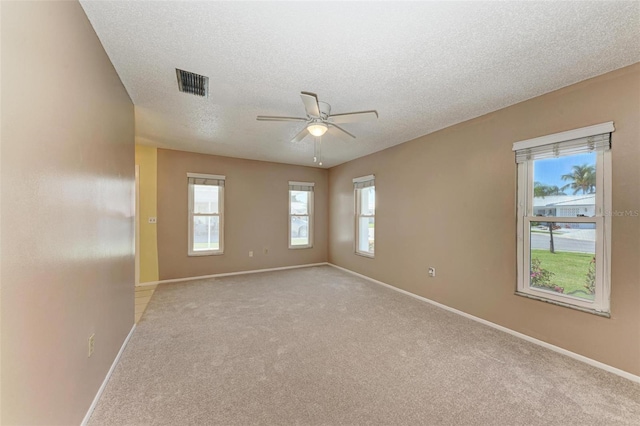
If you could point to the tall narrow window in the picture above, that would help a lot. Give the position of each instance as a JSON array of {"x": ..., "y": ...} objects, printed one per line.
[
  {"x": 564, "y": 223},
  {"x": 206, "y": 214},
  {"x": 300, "y": 215},
  {"x": 365, "y": 217}
]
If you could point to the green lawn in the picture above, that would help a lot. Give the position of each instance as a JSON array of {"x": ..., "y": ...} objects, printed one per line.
[{"x": 570, "y": 270}]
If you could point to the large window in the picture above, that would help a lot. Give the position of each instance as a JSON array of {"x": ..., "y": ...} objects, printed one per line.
[
  {"x": 206, "y": 214},
  {"x": 300, "y": 215},
  {"x": 564, "y": 208},
  {"x": 365, "y": 217}
]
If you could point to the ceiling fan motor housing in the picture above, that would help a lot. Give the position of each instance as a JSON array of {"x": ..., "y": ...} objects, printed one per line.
[{"x": 325, "y": 110}]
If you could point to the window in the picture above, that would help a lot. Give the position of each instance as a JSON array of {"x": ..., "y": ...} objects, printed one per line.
[
  {"x": 564, "y": 225},
  {"x": 300, "y": 215},
  {"x": 365, "y": 217},
  {"x": 206, "y": 214}
]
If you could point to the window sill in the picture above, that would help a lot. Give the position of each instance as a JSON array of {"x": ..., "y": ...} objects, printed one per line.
[
  {"x": 370, "y": 256},
  {"x": 300, "y": 247},
  {"x": 205, "y": 253},
  {"x": 566, "y": 305}
]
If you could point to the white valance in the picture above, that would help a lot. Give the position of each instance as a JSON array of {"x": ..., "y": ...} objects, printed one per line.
[
  {"x": 364, "y": 181},
  {"x": 578, "y": 141},
  {"x": 301, "y": 186},
  {"x": 203, "y": 179}
]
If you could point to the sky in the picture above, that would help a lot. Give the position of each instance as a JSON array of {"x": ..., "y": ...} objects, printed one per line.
[{"x": 549, "y": 171}]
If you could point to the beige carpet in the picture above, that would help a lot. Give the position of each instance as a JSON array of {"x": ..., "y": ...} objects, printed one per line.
[{"x": 319, "y": 346}]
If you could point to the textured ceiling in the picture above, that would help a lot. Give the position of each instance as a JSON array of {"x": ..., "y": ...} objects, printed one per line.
[{"x": 423, "y": 65}]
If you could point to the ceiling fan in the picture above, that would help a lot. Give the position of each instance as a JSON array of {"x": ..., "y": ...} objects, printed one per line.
[{"x": 319, "y": 118}]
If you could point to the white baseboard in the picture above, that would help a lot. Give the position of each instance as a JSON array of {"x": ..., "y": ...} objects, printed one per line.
[
  {"x": 227, "y": 274},
  {"x": 106, "y": 379},
  {"x": 592, "y": 362},
  {"x": 147, "y": 284}
]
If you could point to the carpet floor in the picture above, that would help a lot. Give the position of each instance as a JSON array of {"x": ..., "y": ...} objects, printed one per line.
[{"x": 317, "y": 346}]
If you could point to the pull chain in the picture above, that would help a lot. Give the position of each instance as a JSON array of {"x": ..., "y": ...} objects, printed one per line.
[{"x": 315, "y": 149}]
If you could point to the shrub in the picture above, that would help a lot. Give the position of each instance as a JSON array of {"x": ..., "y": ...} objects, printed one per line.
[
  {"x": 541, "y": 277},
  {"x": 590, "y": 283}
]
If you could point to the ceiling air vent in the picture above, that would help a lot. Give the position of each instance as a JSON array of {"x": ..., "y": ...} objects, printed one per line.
[{"x": 194, "y": 84}]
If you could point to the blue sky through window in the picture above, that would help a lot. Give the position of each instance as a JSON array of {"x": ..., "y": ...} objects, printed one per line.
[{"x": 549, "y": 171}]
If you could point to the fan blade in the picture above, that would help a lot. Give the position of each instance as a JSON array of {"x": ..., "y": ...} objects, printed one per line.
[
  {"x": 301, "y": 135},
  {"x": 274, "y": 118},
  {"x": 353, "y": 117},
  {"x": 310, "y": 101},
  {"x": 341, "y": 129}
]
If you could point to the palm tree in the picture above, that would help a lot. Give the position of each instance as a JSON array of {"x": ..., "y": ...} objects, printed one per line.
[
  {"x": 583, "y": 179},
  {"x": 541, "y": 190}
]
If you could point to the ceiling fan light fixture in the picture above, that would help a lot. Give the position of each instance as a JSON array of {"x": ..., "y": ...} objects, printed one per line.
[{"x": 317, "y": 129}]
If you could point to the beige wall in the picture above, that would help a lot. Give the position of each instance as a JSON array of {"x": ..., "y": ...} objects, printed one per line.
[
  {"x": 448, "y": 200},
  {"x": 255, "y": 214},
  {"x": 67, "y": 213}
]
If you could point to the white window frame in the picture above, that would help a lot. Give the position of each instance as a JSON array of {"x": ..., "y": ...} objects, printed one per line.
[
  {"x": 220, "y": 214},
  {"x": 602, "y": 219},
  {"x": 310, "y": 199},
  {"x": 357, "y": 213}
]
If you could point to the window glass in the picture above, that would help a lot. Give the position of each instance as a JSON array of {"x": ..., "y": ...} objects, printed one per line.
[
  {"x": 300, "y": 215},
  {"x": 563, "y": 258},
  {"x": 205, "y": 199},
  {"x": 366, "y": 231},
  {"x": 206, "y": 205},
  {"x": 206, "y": 233},
  {"x": 367, "y": 200},
  {"x": 365, "y": 218},
  {"x": 299, "y": 202},
  {"x": 299, "y": 230},
  {"x": 565, "y": 186}
]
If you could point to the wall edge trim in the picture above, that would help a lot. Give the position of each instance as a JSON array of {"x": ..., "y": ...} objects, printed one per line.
[
  {"x": 106, "y": 379},
  {"x": 228, "y": 274},
  {"x": 576, "y": 356}
]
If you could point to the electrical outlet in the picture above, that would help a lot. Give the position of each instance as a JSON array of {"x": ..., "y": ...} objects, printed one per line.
[
  {"x": 153, "y": 220},
  {"x": 92, "y": 339},
  {"x": 432, "y": 272},
  {"x": 250, "y": 254}
]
